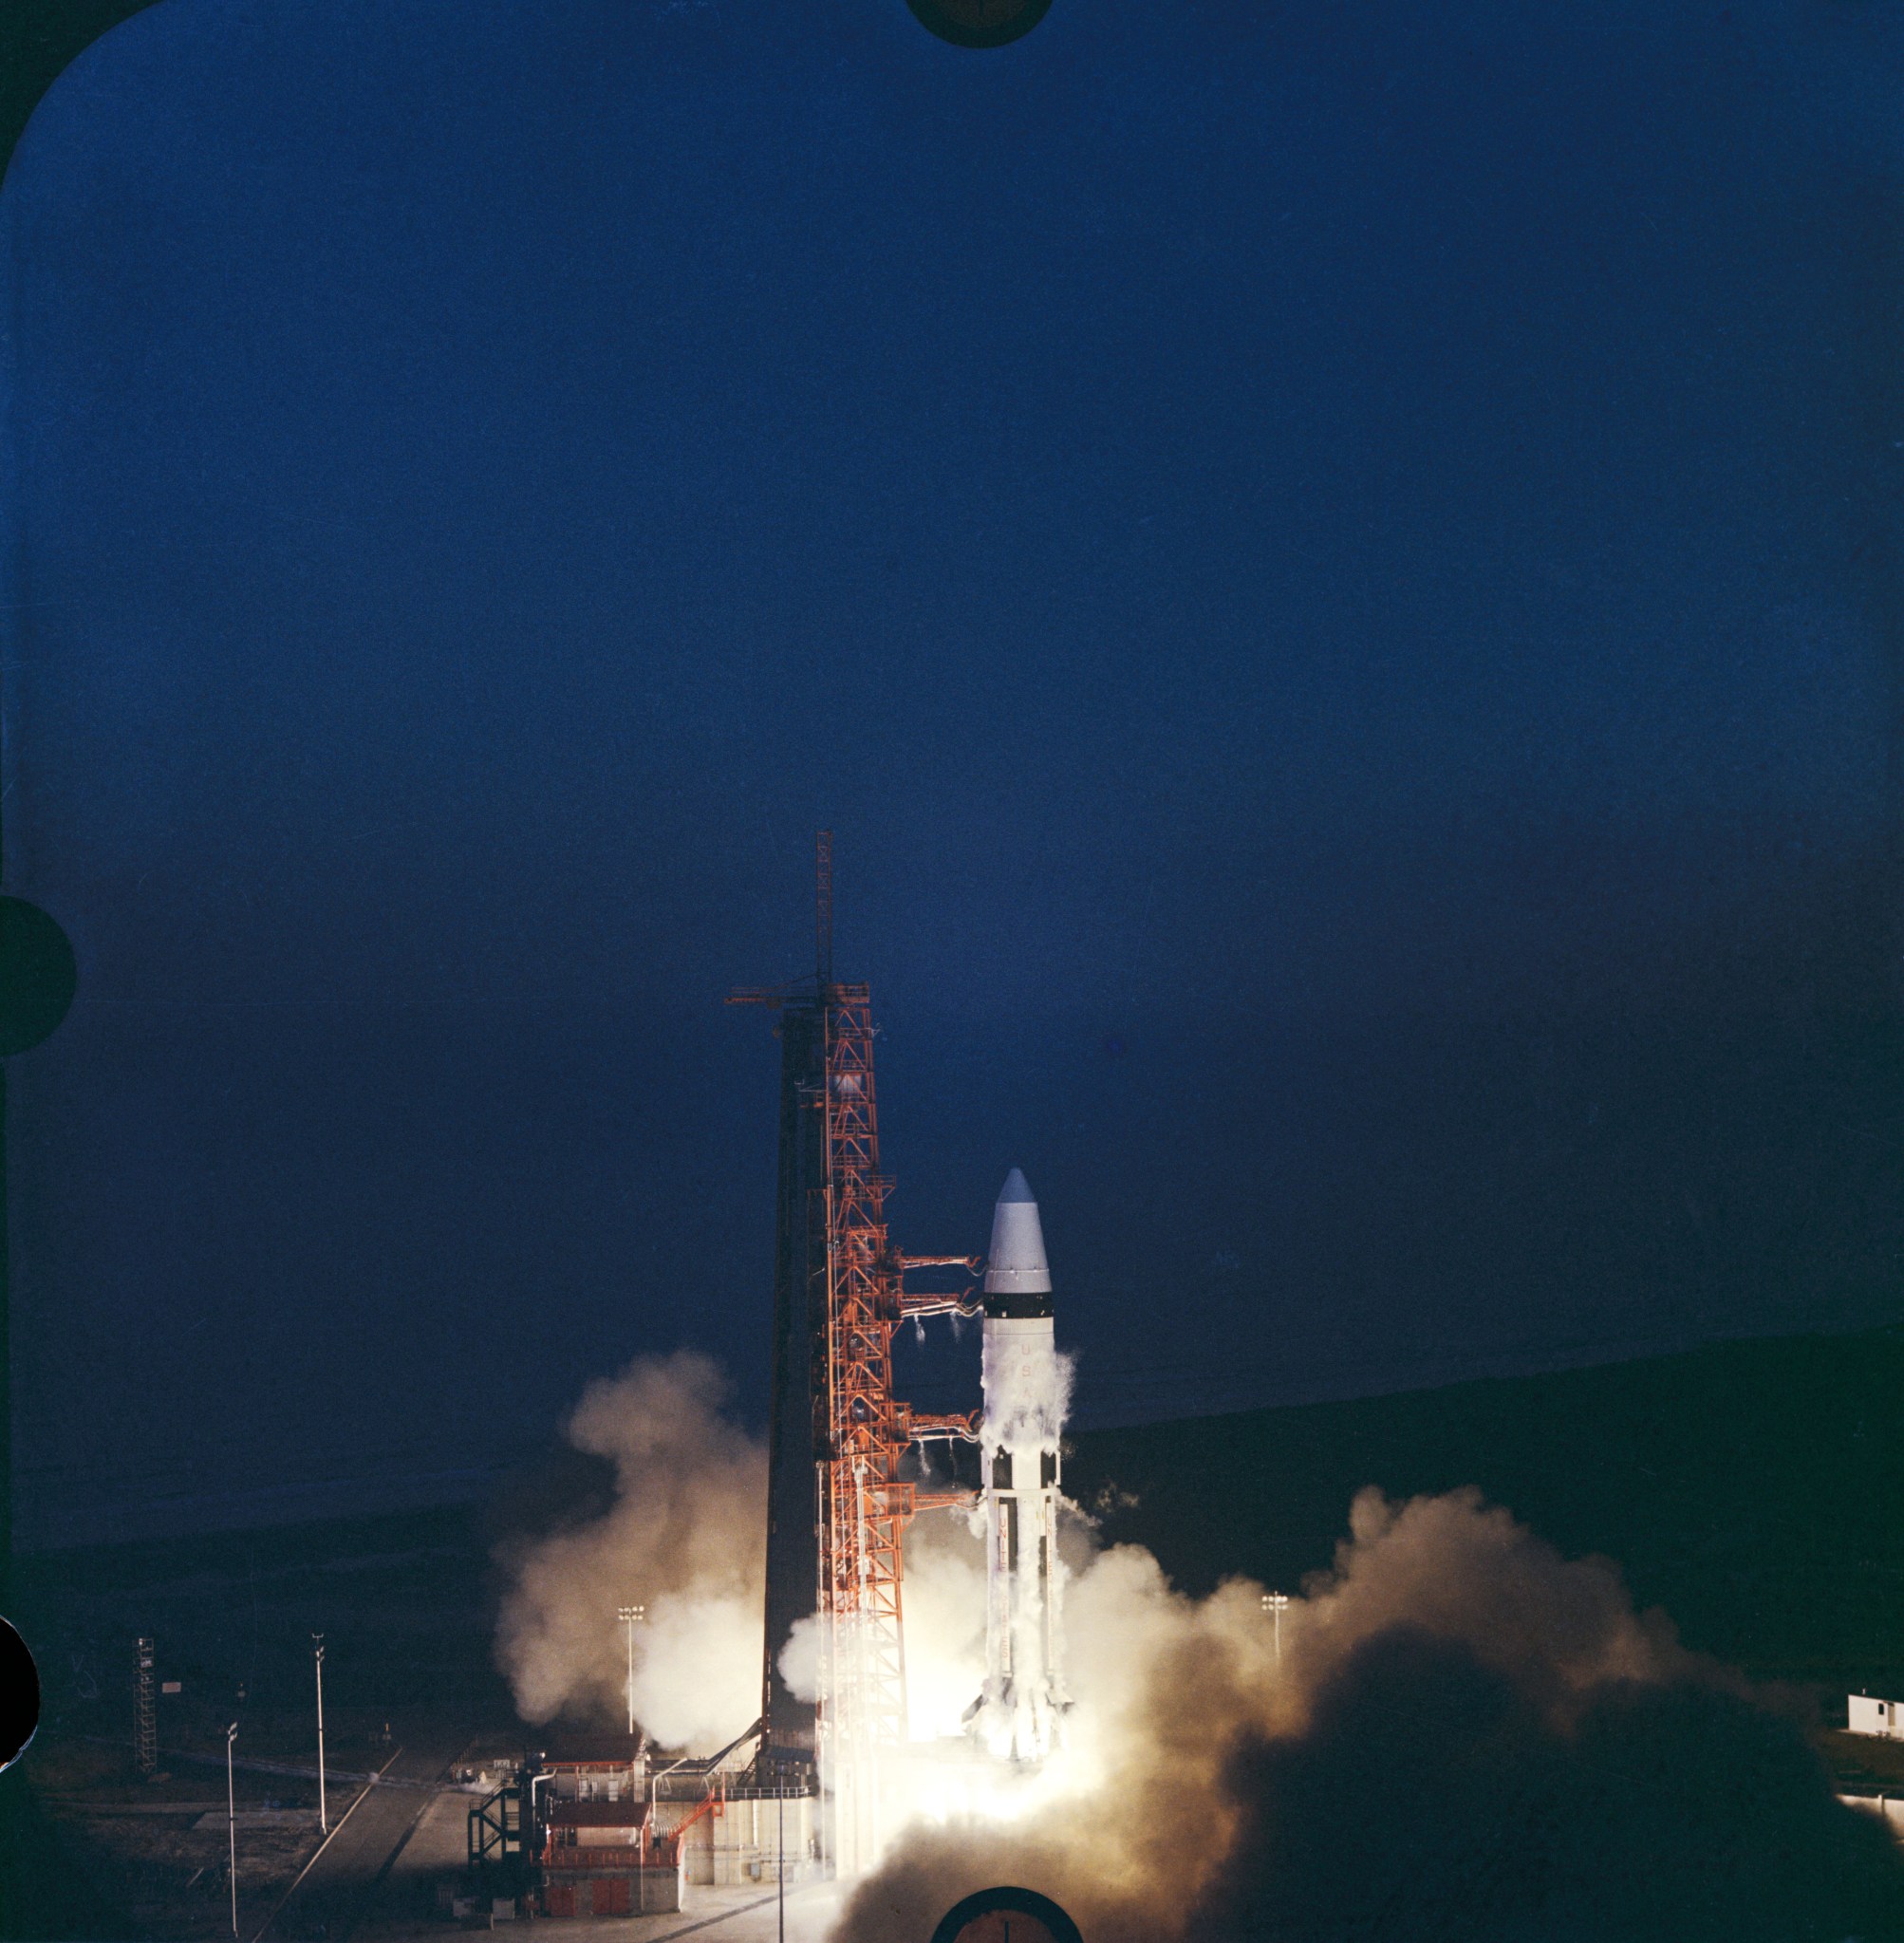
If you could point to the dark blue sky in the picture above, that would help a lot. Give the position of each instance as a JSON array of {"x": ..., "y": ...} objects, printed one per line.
[{"x": 1334, "y": 569}]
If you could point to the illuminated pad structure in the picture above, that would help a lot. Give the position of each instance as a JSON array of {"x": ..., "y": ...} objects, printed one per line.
[{"x": 1025, "y": 1391}]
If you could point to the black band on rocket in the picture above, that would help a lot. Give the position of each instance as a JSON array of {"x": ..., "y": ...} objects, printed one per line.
[{"x": 1017, "y": 1308}]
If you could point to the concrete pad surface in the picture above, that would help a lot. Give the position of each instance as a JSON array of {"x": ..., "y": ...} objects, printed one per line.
[{"x": 711, "y": 1916}]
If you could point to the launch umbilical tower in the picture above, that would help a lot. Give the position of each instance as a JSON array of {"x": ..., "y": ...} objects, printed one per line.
[{"x": 838, "y": 1503}]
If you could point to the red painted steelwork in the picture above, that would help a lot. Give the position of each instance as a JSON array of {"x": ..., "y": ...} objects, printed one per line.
[{"x": 864, "y": 1503}]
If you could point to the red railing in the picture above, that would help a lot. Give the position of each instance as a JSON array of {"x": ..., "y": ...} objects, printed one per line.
[{"x": 712, "y": 1805}]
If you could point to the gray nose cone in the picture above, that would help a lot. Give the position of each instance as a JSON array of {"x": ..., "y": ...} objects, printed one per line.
[{"x": 1018, "y": 1265}]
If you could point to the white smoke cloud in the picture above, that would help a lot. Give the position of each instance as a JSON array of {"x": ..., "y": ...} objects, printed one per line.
[
  {"x": 945, "y": 1602},
  {"x": 945, "y": 1622},
  {"x": 945, "y": 1767},
  {"x": 801, "y": 1659},
  {"x": 686, "y": 1537}
]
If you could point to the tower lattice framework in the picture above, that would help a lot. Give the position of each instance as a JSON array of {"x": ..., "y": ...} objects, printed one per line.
[
  {"x": 839, "y": 1296},
  {"x": 864, "y": 1503}
]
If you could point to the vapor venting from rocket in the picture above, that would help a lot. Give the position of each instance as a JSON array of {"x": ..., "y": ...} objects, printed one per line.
[
  {"x": 682, "y": 1538},
  {"x": 1467, "y": 1736}
]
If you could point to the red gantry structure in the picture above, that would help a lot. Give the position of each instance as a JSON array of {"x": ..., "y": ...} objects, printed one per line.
[{"x": 838, "y": 1500}]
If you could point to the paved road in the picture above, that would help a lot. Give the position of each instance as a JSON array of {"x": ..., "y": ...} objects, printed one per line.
[
  {"x": 712, "y": 1915},
  {"x": 354, "y": 1877}
]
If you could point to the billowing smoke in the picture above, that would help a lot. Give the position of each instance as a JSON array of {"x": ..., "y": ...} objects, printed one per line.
[
  {"x": 1467, "y": 1737},
  {"x": 945, "y": 1622},
  {"x": 944, "y": 1626},
  {"x": 686, "y": 1537}
]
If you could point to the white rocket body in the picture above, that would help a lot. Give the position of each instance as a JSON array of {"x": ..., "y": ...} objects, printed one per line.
[{"x": 1026, "y": 1389}]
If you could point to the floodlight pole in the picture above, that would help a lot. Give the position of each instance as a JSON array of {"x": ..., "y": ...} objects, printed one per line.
[
  {"x": 631, "y": 1617},
  {"x": 232, "y": 1822},
  {"x": 322, "y": 1810},
  {"x": 780, "y": 1853},
  {"x": 1276, "y": 1602}
]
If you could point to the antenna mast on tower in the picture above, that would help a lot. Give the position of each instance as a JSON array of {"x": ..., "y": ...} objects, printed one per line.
[{"x": 822, "y": 908}]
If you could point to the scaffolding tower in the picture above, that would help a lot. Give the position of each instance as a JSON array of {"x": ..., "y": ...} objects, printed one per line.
[
  {"x": 863, "y": 1505},
  {"x": 838, "y": 1503}
]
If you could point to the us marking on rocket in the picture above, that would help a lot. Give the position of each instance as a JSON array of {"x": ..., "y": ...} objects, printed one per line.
[{"x": 1026, "y": 1389}]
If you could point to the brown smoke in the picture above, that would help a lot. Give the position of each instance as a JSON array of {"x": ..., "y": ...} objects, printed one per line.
[
  {"x": 684, "y": 1537},
  {"x": 1468, "y": 1736}
]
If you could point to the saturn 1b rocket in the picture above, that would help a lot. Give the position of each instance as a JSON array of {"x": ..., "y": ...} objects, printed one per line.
[{"x": 1026, "y": 1385}]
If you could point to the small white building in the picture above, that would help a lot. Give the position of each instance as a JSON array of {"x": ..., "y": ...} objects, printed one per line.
[{"x": 1882, "y": 1717}]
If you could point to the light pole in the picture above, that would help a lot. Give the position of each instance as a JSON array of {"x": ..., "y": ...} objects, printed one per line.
[
  {"x": 1276, "y": 1602},
  {"x": 323, "y": 1811},
  {"x": 631, "y": 1617},
  {"x": 232, "y": 1822},
  {"x": 781, "y": 1852}
]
